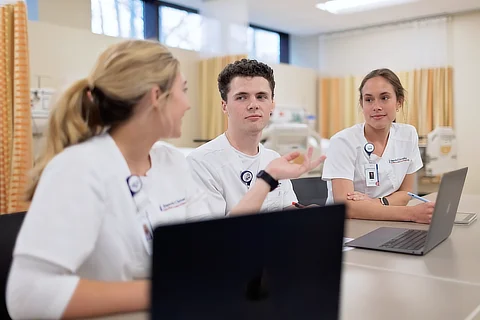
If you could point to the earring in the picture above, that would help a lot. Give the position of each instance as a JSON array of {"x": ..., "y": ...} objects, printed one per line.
[{"x": 271, "y": 113}]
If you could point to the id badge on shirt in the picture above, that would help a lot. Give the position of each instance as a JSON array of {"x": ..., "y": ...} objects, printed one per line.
[
  {"x": 147, "y": 228},
  {"x": 371, "y": 175}
]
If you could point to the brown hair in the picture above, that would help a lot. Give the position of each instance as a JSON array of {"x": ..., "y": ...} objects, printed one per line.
[
  {"x": 244, "y": 68},
  {"x": 391, "y": 77},
  {"x": 121, "y": 77}
]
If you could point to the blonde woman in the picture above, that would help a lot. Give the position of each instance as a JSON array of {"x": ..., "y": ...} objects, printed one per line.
[{"x": 99, "y": 189}]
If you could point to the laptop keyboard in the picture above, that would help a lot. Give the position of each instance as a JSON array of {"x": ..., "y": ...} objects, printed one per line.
[{"x": 409, "y": 240}]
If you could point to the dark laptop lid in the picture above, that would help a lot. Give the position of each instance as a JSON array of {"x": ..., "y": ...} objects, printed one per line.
[{"x": 281, "y": 265}]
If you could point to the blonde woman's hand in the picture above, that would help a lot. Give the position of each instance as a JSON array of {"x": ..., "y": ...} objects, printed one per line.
[{"x": 284, "y": 168}]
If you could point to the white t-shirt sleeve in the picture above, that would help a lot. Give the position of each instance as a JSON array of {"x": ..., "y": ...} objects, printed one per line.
[
  {"x": 208, "y": 183},
  {"x": 60, "y": 229},
  {"x": 197, "y": 205},
  {"x": 416, "y": 163},
  {"x": 340, "y": 162}
]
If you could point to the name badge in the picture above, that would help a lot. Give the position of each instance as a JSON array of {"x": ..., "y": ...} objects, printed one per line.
[
  {"x": 147, "y": 229},
  {"x": 371, "y": 175}
]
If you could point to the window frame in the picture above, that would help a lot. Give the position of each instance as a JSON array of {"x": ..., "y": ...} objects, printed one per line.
[
  {"x": 153, "y": 24},
  {"x": 284, "y": 42}
]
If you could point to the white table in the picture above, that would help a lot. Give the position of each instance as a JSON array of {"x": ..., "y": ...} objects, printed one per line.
[{"x": 442, "y": 285}]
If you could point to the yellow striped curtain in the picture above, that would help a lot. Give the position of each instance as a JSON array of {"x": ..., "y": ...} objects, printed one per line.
[
  {"x": 429, "y": 101},
  {"x": 213, "y": 121},
  {"x": 15, "y": 114}
]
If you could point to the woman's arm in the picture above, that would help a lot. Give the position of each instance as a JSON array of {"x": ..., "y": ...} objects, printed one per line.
[
  {"x": 401, "y": 197},
  {"x": 397, "y": 198},
  {"x": 38, "y": 289},
  {"x": 372, "y": 209},
  {"x": 104, "y": 298}
]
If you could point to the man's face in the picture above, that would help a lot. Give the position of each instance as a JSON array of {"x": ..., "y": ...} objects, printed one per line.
[{"x": 249, "y": 104}]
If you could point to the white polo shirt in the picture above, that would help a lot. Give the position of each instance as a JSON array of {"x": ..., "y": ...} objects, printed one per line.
[
  {"x": 217, "y": 166},
  {"x": 346, "y": 159},
  {"x": 83, "y": 222}
]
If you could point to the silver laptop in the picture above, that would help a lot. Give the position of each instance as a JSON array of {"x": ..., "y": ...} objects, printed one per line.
[{"x": 420, "y": 242}]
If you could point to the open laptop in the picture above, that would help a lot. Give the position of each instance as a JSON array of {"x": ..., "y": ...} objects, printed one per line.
[
  {"x": 279, "y": 265},
  {"x": 420, "y": 242}
]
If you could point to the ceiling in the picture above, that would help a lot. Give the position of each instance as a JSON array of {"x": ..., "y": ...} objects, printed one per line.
[{"x": 300, "y": 17}]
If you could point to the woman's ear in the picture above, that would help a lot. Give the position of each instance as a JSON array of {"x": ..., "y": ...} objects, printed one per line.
[{"x": 154, "y": 95}]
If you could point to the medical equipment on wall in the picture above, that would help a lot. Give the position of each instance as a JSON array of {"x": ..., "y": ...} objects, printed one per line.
[
  {"x": 440, "y": 152},
  {"x": 40, "y": 103},
  {"x": 292, "y": 129}
]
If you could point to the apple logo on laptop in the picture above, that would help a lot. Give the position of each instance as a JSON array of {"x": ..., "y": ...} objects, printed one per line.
[
  {"x": 257, "y": 287},
  {"x": 448, "y": 208}
]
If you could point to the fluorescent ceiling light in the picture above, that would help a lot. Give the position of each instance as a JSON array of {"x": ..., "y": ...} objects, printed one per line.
[{"x": 350, "y": 6}]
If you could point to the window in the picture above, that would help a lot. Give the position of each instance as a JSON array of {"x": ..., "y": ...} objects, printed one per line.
[
  {"x": 180, "y": 28},
  {"x": 118, "y": 18},
  {"x": 177, "y": 26},
  {"x": 267, "y": 45}
]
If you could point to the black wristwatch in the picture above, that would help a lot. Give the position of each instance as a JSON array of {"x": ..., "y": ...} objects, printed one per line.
[
  {"x": 262, "y": 174},
  {"x": 384, "y": 201}
]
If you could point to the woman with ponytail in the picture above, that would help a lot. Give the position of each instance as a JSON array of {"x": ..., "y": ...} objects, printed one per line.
[{"x": 99, "y": 188}]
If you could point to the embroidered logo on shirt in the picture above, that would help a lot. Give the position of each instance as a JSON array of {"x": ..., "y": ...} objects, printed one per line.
[
  {"x": 398, "y": 160},
  {"x": 173, "y": 204}
]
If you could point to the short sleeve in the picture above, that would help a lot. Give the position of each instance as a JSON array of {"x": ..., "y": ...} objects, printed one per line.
[
  {"x": 416, "y": 163},
  {"x": 204, "y": 179},
  {"x": 340, "y": 162},
  {"x": 66, "y": 214}
]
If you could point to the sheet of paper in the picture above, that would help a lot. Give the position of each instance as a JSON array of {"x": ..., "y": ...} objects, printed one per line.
[{"x": 345, "y": 248}]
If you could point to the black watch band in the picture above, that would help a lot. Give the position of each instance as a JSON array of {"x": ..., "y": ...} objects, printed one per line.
[
  {"x": 384, "y": 201},
  {"x": 262, "y": 174}
]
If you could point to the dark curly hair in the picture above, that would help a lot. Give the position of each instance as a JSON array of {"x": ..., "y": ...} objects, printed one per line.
[{"x": 244, "y": 68}]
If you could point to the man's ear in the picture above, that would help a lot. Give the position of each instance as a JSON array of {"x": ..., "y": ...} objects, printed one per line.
[{"x": 224, "y": 107}]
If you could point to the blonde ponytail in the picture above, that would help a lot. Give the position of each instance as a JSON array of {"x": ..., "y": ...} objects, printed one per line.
[
  {"x": 74, "y": 118},
  {"x": 121, "y": 77}
]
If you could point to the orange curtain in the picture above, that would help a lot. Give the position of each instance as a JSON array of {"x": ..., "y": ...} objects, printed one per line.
[
  {"x": 213, "y": 121},
  {"x": 429, "y": 101},
  {"x": 15, "y": 115}
]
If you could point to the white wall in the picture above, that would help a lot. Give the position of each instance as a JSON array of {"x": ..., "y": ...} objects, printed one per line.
[
  {"x": 400, "y": 47},
  {"x": 304, "y": 51},
  {"x": 428, "y": 44},
  {"x": 295, "y": 87},
  {"x": 60, "y": 54},
  {"x": 466, "y": 64}
]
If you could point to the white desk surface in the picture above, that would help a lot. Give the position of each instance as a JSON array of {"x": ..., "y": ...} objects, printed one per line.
[
  {"x": 444, "y": 284},
  {"x": 457, "y": 258}
]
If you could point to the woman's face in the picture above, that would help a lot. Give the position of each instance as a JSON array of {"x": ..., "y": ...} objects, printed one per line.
[
  {"x": 174, "y": 110},
  {"x": 379, "y": 103}
]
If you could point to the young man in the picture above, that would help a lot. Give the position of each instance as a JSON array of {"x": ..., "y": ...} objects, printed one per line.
[{"x": 228, "y": 165}]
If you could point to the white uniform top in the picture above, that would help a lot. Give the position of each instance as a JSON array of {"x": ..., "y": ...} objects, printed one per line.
[
  {"x": 218, "y": 167},
  {"x": 346, "y": 159},
  {"x": 82, "y": 223}
]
